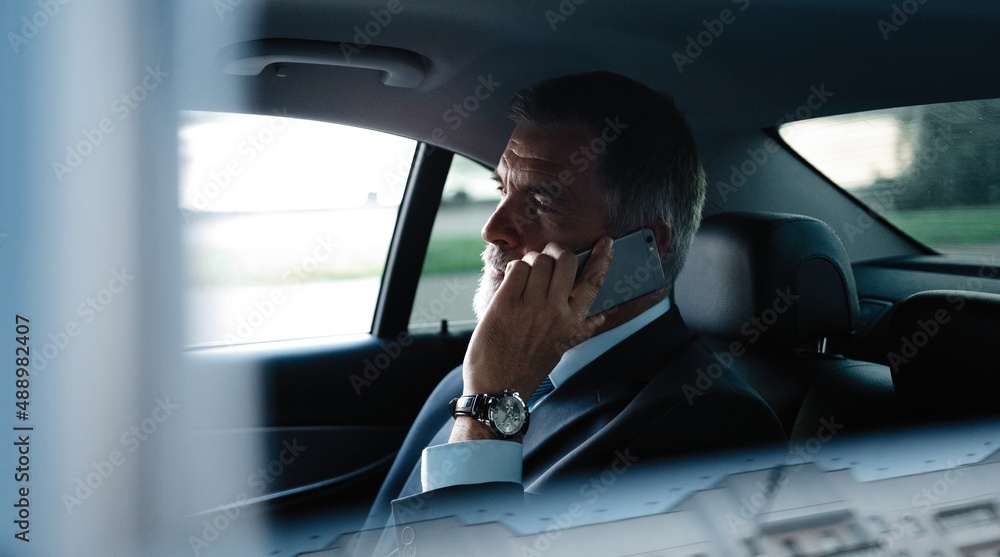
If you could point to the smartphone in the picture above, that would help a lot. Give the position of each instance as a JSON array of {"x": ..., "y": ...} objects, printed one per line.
[{"x": 635, "y": 270}]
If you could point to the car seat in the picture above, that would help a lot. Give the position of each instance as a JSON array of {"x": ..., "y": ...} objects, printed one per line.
[{"x": 769, "y": 289}]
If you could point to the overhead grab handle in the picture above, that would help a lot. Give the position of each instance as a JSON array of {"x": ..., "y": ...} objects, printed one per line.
[{"x": 399, "y": 68}]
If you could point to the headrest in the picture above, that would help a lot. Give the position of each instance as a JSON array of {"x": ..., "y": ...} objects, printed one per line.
[
  {"x": 942, "y": 352},
  {"x": 771, "y": 279}
]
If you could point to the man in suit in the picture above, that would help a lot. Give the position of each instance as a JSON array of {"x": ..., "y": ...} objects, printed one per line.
[{"x": 592, "y": 157}]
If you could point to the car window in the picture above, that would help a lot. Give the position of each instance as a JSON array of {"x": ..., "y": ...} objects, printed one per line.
[
  {"x": 453, "y": 264},
  {"x": 286, "y": 225},
  {"x": 931, "y": 170}
]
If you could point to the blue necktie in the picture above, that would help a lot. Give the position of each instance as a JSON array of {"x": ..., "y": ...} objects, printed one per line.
[{"x": 545, "y": 388}]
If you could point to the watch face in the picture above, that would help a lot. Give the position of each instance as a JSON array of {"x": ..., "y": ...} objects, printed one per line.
[{"x": 507, "y": 415}]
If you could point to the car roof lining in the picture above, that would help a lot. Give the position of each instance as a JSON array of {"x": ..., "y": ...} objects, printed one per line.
[{"x": 724, "y": 90}]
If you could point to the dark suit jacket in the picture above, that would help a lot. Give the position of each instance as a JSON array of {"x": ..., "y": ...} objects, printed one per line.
[{"x": 658, "y": 392}]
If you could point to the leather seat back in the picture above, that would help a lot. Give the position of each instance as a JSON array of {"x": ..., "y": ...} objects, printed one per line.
[
  {"x": 769, "y": 288},
  {"x": 769, "y": 279}
]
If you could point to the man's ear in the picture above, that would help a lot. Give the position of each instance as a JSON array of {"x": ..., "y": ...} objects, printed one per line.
[{"x": 663, "y": 235}]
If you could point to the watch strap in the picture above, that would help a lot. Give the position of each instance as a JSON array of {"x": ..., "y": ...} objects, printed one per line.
[{"x": 469, "y": 405}]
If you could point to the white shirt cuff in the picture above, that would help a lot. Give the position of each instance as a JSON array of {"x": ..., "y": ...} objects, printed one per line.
[{"x": 470, "y": 462}]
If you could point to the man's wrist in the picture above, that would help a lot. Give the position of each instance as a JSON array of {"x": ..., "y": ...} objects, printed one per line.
[
  {"x": 467, "y": 428},
  {"x": 505, "y": 415}
]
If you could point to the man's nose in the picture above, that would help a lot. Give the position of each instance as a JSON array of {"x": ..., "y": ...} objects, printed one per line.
[{"x": 500, "y": 229}]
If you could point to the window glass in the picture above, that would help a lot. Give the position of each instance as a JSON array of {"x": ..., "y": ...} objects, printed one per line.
[
  {"x": 878, "y": 524},
  {"x": 959, "y": 518},
  {"x": 932, "y": 170},
  {"x": 454, "y": 263},
  {"x": 912, "y": 526},
  {"x": 792, "y": 547},
  {"x": 286, "y": 225},
  {"x": 753, "y": 546},
  {"x": 831, "y": 541},
  {"x": 858, "y": 533}
]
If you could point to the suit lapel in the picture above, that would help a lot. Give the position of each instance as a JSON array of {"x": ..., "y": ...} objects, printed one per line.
[{"x": 609, "y": 381}]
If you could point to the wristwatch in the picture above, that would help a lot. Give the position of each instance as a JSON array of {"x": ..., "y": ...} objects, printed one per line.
[{"x": 505, "y": 414}]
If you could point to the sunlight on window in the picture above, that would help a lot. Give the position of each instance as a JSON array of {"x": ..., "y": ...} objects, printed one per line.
[
  {"x": 854, "y": 150},
  {"x": 287, "y": 224},
  {"x": 933, "y": 171},
  {"x": 245, "y": 163}
]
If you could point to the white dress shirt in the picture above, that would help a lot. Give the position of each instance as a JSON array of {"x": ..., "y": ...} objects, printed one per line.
[{"x": 493, "y": 460}]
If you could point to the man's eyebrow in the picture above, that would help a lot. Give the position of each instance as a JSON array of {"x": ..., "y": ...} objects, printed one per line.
[
  {"x": 551, "y": 193},
  {"x": 543, "y": 189},
  {"x": 540, "y": 190}
]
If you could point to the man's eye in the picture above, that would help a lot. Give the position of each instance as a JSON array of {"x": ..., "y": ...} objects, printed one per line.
[
  {"x": 542, "y": 206},
  {"x": 502, "y": 190}
]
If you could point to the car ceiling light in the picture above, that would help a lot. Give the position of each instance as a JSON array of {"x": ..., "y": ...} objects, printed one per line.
[{"x": 399, "y": 68}]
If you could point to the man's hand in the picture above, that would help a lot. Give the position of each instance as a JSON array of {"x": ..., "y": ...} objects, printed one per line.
[{"x": 536, "y": 315}]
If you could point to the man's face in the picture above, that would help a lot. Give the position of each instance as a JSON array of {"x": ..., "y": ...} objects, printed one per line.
[{"x": 548, "y": 194}]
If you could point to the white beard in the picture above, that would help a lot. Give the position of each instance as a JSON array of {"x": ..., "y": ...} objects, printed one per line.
[
  {"x": 493, "y": 258},
  {"x": 484, "y": 293}
]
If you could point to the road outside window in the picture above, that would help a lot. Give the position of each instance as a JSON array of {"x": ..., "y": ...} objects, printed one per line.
[
  {"x": 932, "y": 170},
  {"x": 454, "y": 254}
]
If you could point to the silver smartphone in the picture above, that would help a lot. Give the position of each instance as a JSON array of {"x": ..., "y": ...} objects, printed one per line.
[{"x": 635, "y": 270}]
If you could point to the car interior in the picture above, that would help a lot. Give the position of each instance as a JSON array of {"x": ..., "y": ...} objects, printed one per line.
[
  {"x": 824, "y": 303},
  {"x": 739, "y": 71}
]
